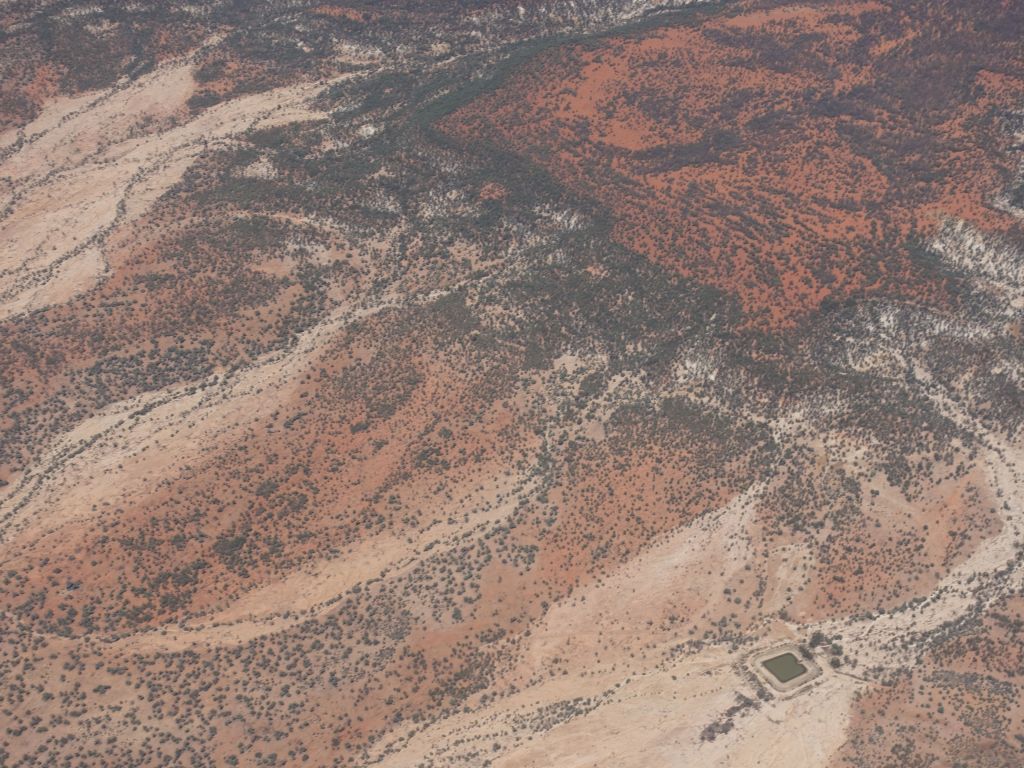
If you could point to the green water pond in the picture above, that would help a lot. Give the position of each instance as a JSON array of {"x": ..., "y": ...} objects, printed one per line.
[{"x": 784, "y": 667}]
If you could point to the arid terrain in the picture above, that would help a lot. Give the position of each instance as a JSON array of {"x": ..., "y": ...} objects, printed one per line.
[{"x": 499, "y": 384}]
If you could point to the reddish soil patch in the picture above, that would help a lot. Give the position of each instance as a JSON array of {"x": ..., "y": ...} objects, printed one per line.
[
  {"x": 344, "y": 12},
  {"x": 961, "y": 705},
  {"x": 787, "y": 156}
]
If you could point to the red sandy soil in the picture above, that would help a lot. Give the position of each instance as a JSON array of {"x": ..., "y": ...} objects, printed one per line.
[
  {"x": 958, "y": 705},
  {"x": 785, "y": 155},
  {"x": 313, "y": 524}
]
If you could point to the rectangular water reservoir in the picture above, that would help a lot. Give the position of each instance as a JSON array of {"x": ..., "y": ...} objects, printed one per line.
[{"x": 785, "y": 667}]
